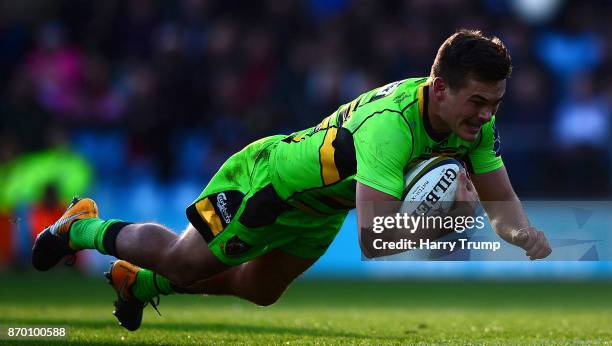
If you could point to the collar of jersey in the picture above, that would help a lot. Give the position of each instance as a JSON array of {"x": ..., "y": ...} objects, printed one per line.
[{"x": 423, "y": 96}]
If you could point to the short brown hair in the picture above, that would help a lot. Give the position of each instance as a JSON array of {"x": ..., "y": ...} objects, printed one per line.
[{"x": 469, "y": 53}]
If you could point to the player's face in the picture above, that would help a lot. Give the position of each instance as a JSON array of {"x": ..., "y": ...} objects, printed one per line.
[{"x": 466, "y": 110}]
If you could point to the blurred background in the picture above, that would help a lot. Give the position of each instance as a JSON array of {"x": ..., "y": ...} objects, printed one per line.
[{"x": 137, "y": 103}]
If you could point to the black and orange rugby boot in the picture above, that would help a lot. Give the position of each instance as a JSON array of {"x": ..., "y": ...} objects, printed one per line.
[
  {"x": 52, "y": 244},
  {"x": 128, "y": 309}
]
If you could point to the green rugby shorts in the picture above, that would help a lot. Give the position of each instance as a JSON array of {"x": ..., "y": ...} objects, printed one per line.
[{"x": 241, "y": 216}]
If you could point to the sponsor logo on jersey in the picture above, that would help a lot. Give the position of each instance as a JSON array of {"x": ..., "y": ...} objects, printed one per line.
[{"x": 222, "y": 207}]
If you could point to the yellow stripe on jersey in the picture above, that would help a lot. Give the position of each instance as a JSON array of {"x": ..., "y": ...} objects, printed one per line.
[
  {"x": 207, "y": 211},
  {"x": 421, "y": 97},
  {"x": 351, "y": 109},
  {"x": 298, "y": 138},
  {"x": 329, "y": 171},
  {"x": 325, "y": 123}
]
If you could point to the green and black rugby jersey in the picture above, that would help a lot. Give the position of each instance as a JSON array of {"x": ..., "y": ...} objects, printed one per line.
[{"x": 374, "y": 140}]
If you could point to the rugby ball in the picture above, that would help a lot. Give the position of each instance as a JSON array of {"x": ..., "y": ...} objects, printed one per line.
[{"x": 430, "y": 185}]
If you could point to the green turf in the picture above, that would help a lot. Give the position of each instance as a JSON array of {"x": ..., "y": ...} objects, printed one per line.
[{"x": 321, "y": 312}]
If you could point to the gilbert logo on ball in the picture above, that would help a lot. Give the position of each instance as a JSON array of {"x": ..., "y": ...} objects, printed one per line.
[{"x": 429, "y": 186}]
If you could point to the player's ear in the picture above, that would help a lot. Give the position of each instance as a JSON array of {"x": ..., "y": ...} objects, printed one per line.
[{"x": 438, "y": 84}]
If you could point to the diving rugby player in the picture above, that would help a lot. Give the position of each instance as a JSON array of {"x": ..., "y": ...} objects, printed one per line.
[{"x": 274, "y": 208}]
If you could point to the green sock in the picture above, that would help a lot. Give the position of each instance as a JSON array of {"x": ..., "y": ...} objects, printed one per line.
[
  {"x": 89, "y": 234},
  {"x": 149, "y": 284}
]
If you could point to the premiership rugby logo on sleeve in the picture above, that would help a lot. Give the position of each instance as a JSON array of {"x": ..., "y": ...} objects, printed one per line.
[{"x": 386, "y": 90}]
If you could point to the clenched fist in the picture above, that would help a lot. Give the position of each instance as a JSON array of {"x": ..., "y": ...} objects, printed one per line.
[{"x": 533, "y": 241}]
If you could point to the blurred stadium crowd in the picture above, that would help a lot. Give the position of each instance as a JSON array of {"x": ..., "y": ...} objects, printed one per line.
[{"x": 108, "y": 93}]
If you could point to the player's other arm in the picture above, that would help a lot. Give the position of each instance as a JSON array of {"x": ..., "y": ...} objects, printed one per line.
[
  {"x": 506, "y": 213},
  {"x": 369, "y": 203},
  {"x": 382, "y": 149}
]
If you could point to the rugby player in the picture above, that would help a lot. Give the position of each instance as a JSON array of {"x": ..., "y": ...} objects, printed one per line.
[{"x": 274, "y": 208}]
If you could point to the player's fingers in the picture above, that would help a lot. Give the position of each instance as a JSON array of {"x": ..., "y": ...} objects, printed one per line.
[
  {"x": 462, "y": 178},
  {"x": 545, "y": 248},
  {"x": 469, "y": 184},
  {"x": 543, "y": 252},
  {"x": 461, "y": 192},
  {"x": 465, "y": 189},
  {"x": 474, "y": 195},
  {"x": 538, "y": 244},
  {"x": 532, "y": 247}
]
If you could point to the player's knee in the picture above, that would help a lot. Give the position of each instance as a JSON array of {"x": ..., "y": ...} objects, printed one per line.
[
  {"x": 267, "y": 298},
  {"x": 270, "y": 287},
  {"x": 266, "y": 295}
]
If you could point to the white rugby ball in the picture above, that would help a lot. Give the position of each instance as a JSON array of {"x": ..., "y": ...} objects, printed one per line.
[{"x": 429, "y": 186}]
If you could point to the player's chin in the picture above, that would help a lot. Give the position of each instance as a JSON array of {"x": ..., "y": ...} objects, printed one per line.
[{"x": 468, "y": 132}]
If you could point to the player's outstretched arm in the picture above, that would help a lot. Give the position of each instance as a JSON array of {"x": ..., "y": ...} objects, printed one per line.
[{"x": 508, "y": 218}]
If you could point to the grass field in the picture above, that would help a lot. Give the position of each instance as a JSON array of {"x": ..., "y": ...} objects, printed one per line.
[{"x": 321, "y": 312}]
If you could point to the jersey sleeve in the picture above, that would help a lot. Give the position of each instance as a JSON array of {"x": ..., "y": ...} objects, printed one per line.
[
  {"x": 383, "y": 145},
  {"x": 486, "y": 156}
]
